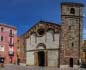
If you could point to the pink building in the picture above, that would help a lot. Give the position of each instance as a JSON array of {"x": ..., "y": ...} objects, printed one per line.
[{"x": 8, "y": 43}]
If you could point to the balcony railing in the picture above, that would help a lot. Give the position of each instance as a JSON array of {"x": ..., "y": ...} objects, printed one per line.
[
  {"x": 11, "y": 35},
  {"x": 11, "y": 44}
]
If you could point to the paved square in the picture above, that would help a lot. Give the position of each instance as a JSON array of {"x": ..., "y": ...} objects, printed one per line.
[{"x": 18, "y": 67}]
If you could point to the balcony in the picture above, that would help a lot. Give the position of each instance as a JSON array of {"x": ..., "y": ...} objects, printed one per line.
[
  {"x": 84, "y": 49},
  {"x": 11, "y": 35},
  {"x": 11, "y": 44},
  {"x": 11, "y": 53}
]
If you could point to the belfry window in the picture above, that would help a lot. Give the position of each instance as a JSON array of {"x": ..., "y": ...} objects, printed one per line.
[{"x": 72, "y": 11}]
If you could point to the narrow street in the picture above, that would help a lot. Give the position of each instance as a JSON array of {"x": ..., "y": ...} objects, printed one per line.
[{"x": 18, "y": 67}]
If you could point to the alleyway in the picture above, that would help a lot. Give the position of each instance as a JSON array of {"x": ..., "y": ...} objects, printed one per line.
[{"x": 16, "y": 67}]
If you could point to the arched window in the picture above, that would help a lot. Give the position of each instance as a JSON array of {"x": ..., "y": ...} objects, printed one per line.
[
  {"x": 72, "y": 11},
  {"x": 2, "y": 29},
  {"x": 10, "y": 31},
  {"x": 1, "y": 38}
]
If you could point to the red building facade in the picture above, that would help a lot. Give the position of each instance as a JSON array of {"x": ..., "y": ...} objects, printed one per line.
[{"x": 8, "y": 40}]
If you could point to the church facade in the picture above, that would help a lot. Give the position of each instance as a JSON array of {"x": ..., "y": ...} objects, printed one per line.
[
  {"x": 50, "y": 44},
  {"x": 42, "y": 43}
]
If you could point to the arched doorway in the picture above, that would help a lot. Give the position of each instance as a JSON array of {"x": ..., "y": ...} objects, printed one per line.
[
  {"x": 71, "y": 62},
  {"x": 41, "y": 58},
  {"x": 41, "y": 55}
]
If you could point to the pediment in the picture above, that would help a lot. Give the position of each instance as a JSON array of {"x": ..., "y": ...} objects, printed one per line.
[{"x": 42, "y": 27}]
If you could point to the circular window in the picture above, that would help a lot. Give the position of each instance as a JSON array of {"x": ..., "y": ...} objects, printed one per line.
[{"x": 41, "y": 32}]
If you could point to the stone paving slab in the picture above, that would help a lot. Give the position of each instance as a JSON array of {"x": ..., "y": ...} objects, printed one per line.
[{"x": 18, "y": 67}]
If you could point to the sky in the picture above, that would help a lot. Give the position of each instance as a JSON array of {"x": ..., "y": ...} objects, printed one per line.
[{"x": 23, "y": 14}]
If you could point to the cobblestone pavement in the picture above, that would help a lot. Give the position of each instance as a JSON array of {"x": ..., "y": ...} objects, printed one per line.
[{"x": 16, "y": 67}]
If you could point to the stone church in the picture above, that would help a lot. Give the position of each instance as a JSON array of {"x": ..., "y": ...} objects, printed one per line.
[
  {"x": 50, "y": 44},
  {"x": 42, "y": 44}
]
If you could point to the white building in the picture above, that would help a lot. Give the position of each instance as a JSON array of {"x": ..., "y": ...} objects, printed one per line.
[{"x": 42, "y": 44}]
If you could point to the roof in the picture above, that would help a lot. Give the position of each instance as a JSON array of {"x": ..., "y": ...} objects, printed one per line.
[
  {"x": 48, "y": 23},
  {"x": 40, "y": 22},
  {"x": 73, "y": 4},
  {"x": 9, "y": 26}
]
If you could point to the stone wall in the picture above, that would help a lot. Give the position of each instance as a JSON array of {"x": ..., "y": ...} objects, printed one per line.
[
  {"x": 48, "y": 42},
  {"x": 53, "y": 58},
  {"x": 71, "y": 35}
]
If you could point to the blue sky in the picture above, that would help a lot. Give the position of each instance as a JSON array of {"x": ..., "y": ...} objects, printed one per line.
[{"x": 25, "y": 13}]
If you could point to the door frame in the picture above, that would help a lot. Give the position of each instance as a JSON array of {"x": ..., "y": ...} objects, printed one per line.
[
  {"x": 71, "y": 62},
  {"x": 36, "y": 57}
]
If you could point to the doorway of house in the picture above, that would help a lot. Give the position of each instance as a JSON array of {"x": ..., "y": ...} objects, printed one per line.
[
  {"x": 71, "y": 62},
  {"x": 41, "y": 58}
]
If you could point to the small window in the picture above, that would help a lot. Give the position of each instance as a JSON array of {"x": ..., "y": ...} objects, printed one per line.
[
  {"x": 1, "y": 48},
  {"x": 1, "y": 38},
  {"x": 10, "y": 40},
  {"x": 72, "y": 11},
  {"x": 2, "y": 29},
  {"x": 72, "y": 44},
  {"x": 10, "y": 31},
  {"x": 69, "y": 27}
]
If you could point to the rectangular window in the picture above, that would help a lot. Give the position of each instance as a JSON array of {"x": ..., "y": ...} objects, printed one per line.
[
  {"x": 2, "y": 29},
  {"x": 69, "y": 27},
  {"x": 1, "y": 38},
  {"x": 11, "y": 51},
  {"x": 72, "y": 44},
  {"x": 2, "y": 48},
  {"x": 10, "y": 31},
  {"x": 11, "y": 40}
]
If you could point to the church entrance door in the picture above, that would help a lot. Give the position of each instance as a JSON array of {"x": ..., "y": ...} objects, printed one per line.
[{"x": 41, "y": 58}]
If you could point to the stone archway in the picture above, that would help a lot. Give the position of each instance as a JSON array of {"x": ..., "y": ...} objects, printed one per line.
[
  {"x": 41, "y": 46},
  {"x": 41, "y": 55}
]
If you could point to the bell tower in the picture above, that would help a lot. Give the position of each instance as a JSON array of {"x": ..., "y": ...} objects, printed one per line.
[{"x": 71, "y": 36}]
